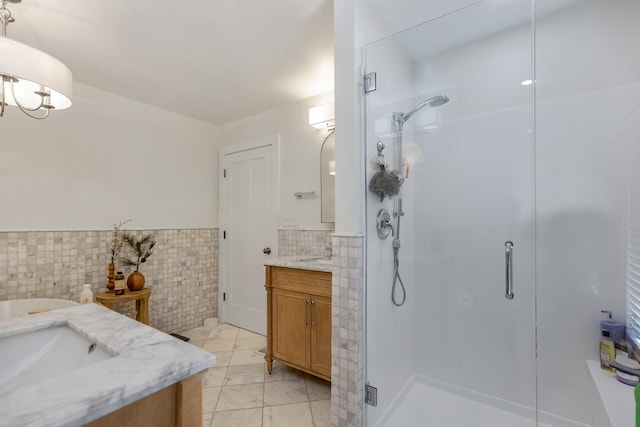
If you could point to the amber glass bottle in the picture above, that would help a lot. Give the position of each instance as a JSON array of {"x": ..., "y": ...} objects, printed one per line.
[{"x": 119, "y": 279}]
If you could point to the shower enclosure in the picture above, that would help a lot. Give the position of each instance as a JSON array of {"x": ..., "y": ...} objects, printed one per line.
[{"x": 513, "y": 209}]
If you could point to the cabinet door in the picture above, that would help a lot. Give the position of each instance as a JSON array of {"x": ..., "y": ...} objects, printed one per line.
[
  {"x": 291, "y": 315},
  {"x": 321, "y": 335}
]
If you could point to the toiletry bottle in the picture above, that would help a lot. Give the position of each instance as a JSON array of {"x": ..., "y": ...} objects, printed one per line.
[
  {"x": 607, "y": 344},
  {"x": 607, "y": 354},
  {"x": 119, "y": 279},
  {"x": 86, "y": 296}
]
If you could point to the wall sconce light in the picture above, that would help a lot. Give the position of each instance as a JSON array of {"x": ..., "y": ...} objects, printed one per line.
[{"x": 323, "y": 116}]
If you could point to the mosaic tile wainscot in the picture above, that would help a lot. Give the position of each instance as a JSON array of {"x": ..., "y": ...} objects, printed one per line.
[
  {"x": 292, "y": 242},
  {"x": 183, "y": 271}
]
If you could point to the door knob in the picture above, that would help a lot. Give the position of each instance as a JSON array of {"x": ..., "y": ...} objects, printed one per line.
[{"x": 266, "y": 250}]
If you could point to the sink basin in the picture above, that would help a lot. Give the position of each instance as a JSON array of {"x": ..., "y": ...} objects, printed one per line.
[{"x": 33, "y": 356}]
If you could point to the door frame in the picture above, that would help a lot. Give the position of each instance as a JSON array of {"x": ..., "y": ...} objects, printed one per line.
[{"x": 223, "y": 211}]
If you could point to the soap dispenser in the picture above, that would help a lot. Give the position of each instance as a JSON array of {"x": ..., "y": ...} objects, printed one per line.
[{"x": 86, "y": 296}]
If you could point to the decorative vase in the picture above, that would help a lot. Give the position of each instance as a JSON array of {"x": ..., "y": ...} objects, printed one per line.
[
  {"x": 135, "y": 281},
  {"x": 112, "y": 274}
]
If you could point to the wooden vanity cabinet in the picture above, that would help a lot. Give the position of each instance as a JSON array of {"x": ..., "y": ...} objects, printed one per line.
[
  {"x": 299, "y": 319},
  {"x": 321, "y": 335}
]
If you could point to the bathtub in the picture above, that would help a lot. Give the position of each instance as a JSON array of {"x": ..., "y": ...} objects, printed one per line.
[
  {"x": 34, "y": 356},
  {"x": 22, "y": 307}
]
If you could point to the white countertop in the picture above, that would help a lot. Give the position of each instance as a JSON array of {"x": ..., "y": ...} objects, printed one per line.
[
  {"x": 147, "y": 361},
  {"x": 617, "y": 398},
  {"x": 314, "y": 263}
]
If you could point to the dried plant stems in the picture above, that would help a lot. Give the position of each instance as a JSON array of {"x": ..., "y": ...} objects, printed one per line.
[{"x": 117, "y": 240}]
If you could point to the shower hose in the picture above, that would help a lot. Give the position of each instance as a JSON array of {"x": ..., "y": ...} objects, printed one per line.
[{"x": 396, "y": 275}]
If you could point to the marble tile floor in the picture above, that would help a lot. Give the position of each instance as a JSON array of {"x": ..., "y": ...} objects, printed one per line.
[{"x": 238, "y": 391}]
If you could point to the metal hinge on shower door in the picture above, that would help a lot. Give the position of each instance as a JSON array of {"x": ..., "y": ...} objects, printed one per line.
[
  {"x": 370, "y": 395},
  {"x": 369, "y": 81}
]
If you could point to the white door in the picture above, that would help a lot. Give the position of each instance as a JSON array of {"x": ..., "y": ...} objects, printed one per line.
[{"x": 249, "y": 234}]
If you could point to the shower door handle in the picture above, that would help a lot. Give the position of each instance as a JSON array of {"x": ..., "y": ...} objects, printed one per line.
[{"x": 508, "y": 260}]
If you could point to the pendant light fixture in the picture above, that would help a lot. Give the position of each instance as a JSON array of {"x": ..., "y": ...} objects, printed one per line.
[{"x": 31, "y": 80}]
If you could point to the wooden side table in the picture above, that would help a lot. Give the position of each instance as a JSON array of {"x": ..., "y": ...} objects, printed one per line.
[{"x": 140, "y": 297}]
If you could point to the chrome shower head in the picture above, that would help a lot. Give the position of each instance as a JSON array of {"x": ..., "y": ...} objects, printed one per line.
[{"x": 434, "y": 101}]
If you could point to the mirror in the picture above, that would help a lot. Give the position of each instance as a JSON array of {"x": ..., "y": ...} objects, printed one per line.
[{"x": 328, "y": 179}]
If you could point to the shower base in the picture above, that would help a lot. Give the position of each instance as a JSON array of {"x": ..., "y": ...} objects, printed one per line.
[{"x": 425, "y": 405}]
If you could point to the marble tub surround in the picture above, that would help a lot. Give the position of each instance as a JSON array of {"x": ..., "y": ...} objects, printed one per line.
[
  {"x": 293, "y": 242},
  {"x": 308, "y": 262},
  {"x": 10, "y": 309},
  {"x": 183, "y": 270},
  {"x": 146, "y": 360}
]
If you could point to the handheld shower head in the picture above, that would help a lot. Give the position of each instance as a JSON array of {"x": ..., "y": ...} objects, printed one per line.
[
  {"x": 434, "y": 101},
  {"x": 437, "y": 100}
]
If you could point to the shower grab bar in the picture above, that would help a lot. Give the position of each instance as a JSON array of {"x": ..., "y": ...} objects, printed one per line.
[{"x": 508, "y": 252}]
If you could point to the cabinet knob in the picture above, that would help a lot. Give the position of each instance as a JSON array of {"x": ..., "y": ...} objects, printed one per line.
[{"x": 266, "y": 250}]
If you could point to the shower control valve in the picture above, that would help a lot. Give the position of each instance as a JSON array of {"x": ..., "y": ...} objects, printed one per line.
[{"x": 383, "y": 224}]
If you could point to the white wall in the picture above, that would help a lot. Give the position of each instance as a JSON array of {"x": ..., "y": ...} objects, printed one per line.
[
  {"x": 107, "y": 159},
  {"x": 349, "y": 40},
  {"x": 299, "y": 156}
]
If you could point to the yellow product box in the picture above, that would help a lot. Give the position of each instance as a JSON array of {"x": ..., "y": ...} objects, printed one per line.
[{"x": 607, "y": 355}]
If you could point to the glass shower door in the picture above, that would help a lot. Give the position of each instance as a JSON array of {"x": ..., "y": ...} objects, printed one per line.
[{"x": 459, "y": 351}]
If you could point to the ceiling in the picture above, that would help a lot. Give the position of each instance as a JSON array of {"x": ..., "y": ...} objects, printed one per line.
[{"x": 214, "y": 60}]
